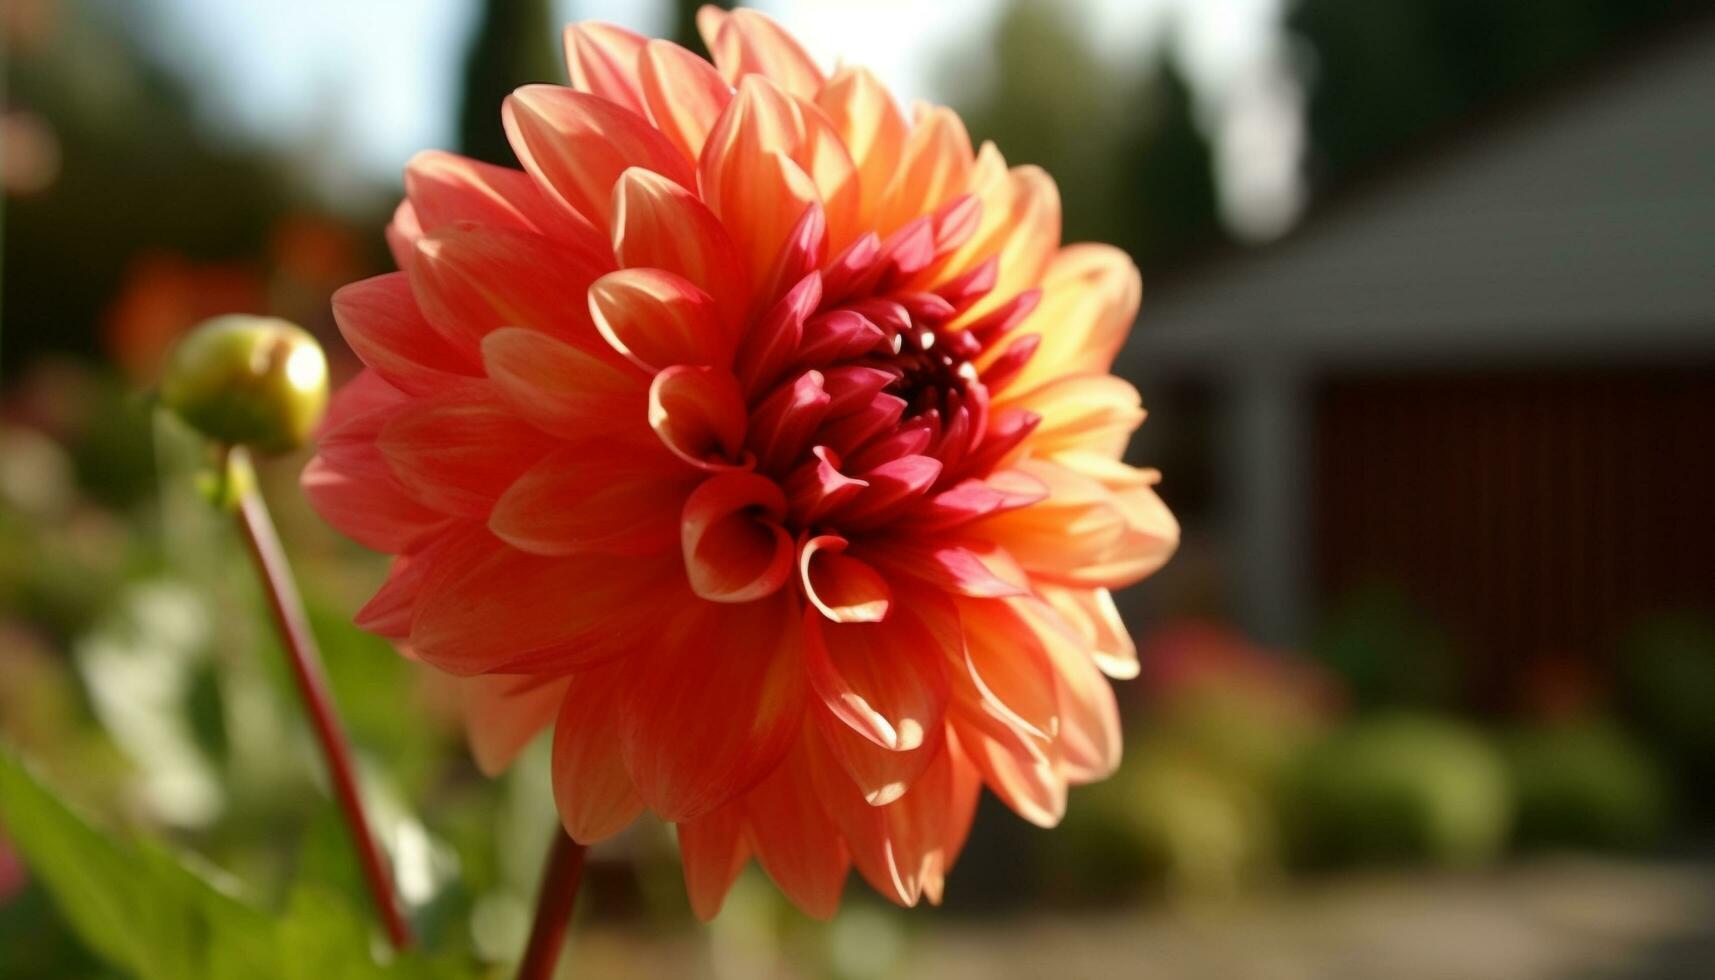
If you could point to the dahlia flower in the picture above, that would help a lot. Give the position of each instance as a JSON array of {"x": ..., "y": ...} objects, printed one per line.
[{"x": 758, "y": 439}]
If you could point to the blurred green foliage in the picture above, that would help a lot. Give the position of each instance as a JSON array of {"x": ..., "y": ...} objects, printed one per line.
[
  {"x": 1586, "y": 784},
  {"x": 1402, "y": 788}
]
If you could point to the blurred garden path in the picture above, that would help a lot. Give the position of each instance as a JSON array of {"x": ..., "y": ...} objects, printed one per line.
[{"x": 1566, "y": 919}]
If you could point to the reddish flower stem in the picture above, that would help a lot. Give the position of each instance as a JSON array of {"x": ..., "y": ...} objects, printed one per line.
[
  {"x": 301, "y": 653},
  {"x": 554, "y": 903}
]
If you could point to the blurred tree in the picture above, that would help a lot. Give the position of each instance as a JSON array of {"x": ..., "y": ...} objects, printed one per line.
[
  {"x": 1386, "y": 74},
  {"x": 684, "y": 27},
  {"x": 513, "y": 44},
  {"x": 134, "y": 172},
  {"x": 1132, "y": 166}
]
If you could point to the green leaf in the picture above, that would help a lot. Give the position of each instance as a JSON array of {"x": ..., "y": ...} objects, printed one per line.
[
  {"x": 159, "y": 916},
  {"x": 136, "y": 906}
]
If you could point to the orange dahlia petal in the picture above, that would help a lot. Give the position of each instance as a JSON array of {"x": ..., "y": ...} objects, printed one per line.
[
  {"x": 657, "y": 319},
  {"x": 602, "y": 59},
  {"x": 576, "y": 145},
  {"x": 503, "y": 712},
  {"x": 699, "y": 414},
  {"x": 591, "y": 788},
  {"x": 471, "y": 281},
  {"x": 796, "y": 840},
  {"x": 734, "y": 547},
  {"x": 658, "y": 224},
  {"x": 745, "y": 42},
  {"x": 565, "y": 505},
  {"x": 684, "y": 94},
  {"x": 445, "y": 188},
  {"x": 686, "y": 685},
  {"x": 713, "y": 850},
  {"x": 389, "y": 334},
  {"x": 561, "y": 389}
]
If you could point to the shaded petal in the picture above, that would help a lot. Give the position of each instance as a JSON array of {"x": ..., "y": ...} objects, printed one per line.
[
  {"x": 458, "y": 451},
  {"x": 558, "y": 614},
  {"x": 887, "y": 681},
  {"x": 591, "y": 788},
  {"x": 1008, "y": 667},
  {"x": 504, "y": 712},
  {"x": 713, "y": 850},
  {"x": 690, "y": 680},
  {"x": 1089, "y": 737},
  {"x": 594, "y": 497},
  {"x": 1092, "y": 613},
  {"x": 796, "y": 840},
  {"x": 1019, "y": 769},
  {"x": 901, "y": 848},
  {"x": 563, "y": 390}
]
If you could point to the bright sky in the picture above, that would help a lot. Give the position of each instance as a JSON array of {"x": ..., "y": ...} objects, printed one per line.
[{"x": 354, "y": 87}]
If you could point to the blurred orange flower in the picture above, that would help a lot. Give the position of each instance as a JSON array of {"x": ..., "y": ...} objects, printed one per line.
[
  {"x": 163, "y": 295},
  {"x": 759, "y": 439}
]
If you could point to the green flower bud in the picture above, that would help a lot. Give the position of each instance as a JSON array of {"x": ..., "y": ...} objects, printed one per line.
[{"x": 248, "y": 381}]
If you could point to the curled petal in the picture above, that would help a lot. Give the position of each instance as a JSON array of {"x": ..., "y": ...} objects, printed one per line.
[
  {"x": 656, "y": 319},
  {"x": 699, "y": 414},
  {"x": 735, "y": 549},
  {"x": 1007, "y": 666},
  {"x": 1021, "y": 770},
  {"x": 902, "y": 848},
  {"x": 1089, "y": 734},
  {"x": 842, "y": 588}
]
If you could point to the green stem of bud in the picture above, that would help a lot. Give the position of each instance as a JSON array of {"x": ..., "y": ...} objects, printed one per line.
[{"x": 299, "y": 643}]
